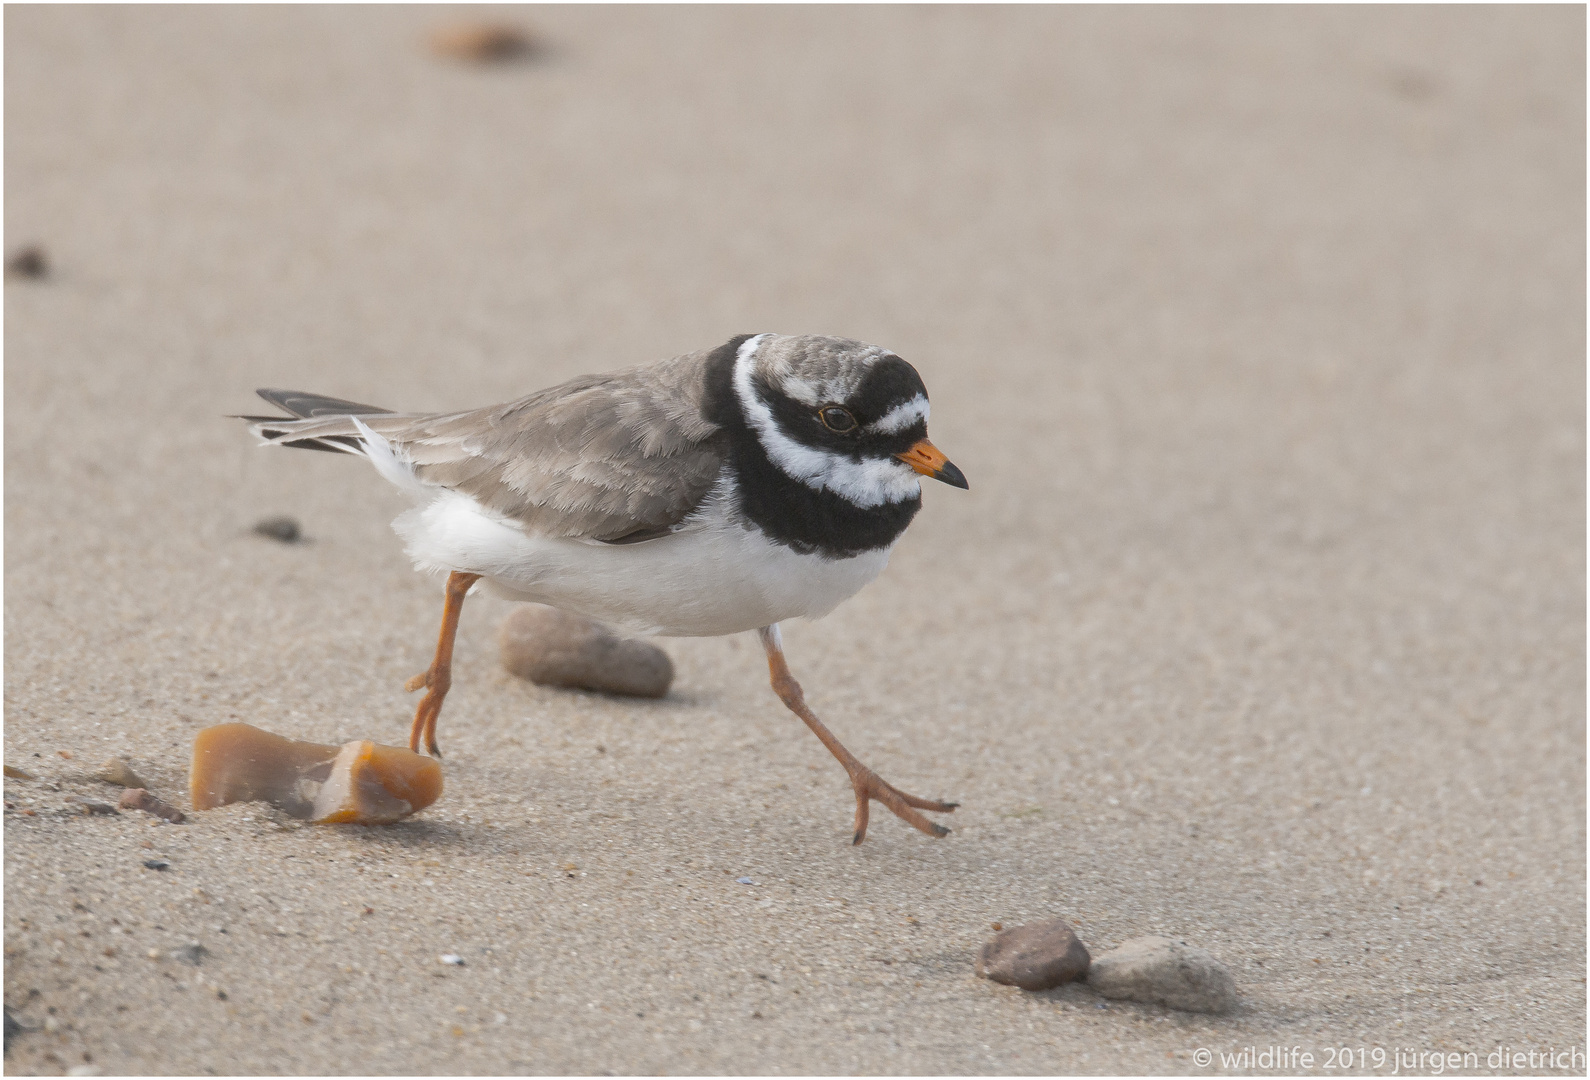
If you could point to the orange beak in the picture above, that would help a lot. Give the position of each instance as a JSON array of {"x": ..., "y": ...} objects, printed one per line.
[{"x": 929, "y": 460}]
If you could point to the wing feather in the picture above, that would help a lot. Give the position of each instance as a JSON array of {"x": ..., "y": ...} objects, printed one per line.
[
  {"x": 623, "y": 456},
  {"x": 600, "y": 457}
]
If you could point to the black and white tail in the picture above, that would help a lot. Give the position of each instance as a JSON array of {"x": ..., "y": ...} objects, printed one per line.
[{"x": 317, "y": 422}]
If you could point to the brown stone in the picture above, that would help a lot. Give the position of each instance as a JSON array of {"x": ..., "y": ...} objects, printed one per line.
[
  {"x": 556, "y": 648},
  {"x": 140, "y": 799},
  {"x": 358, "y": 783},
  {"x": 484, "y": 43},
  {"x": 1034, "y": 956}
]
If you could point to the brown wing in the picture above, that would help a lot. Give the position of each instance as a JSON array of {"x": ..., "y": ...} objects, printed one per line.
[{"x": 615, "y": 457}]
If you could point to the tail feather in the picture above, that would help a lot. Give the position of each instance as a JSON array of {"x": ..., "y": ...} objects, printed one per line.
[
  {"x": 317, "y": 422},
  {"x": 308, "y": 406}
]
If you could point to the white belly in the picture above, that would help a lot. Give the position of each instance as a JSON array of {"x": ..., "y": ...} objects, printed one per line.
[{"x": 712, "y": 577}]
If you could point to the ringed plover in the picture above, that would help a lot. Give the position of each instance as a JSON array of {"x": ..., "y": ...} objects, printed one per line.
[{"x": 721, "y": 491}]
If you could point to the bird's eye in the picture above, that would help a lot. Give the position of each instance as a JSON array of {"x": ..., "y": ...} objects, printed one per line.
[{"x": 836, "y": 419}]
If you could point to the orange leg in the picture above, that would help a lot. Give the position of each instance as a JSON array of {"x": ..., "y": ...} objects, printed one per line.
[
  {"x": 439, "y": 676},
  {"x": 867, "y": 784}
]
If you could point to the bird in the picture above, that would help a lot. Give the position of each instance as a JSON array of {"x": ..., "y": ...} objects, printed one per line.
[{"x": 722, "y": 491}]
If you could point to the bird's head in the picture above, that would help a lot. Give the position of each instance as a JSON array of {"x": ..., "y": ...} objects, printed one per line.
[{"x": 841, "y": 415}]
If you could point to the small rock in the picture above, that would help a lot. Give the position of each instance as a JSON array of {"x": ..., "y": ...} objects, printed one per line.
[
  {"x": 28, "y": 262},
  {"x": 743, "y": 881},
  {"x": 1034, "y": 956},
  {"x": 140, "y": 799},
  {"x": 451, "y": 958},
  {"x": 281, "y": 528},
  {"x": 13, "y": 1028},
  {"x": 1166, "y": 972},
  {"x": 118, "y": 772},
  {"x": 556, "y": 648},
  {"x": 89, "y": 806},
  {"x": 156, "y": 864},
  {"x": 18, "y": 774},
  {"x": 192, "y": 953},
  {"x": 484, "y": 43}
]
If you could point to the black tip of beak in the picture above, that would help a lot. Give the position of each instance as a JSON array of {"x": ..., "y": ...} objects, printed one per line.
[{"x": 952, "y": 476}]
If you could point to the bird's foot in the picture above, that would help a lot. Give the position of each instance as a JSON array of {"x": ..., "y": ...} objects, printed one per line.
[
  {"x": 869, "y": 785},
  {"x": 430, "y": 707}
]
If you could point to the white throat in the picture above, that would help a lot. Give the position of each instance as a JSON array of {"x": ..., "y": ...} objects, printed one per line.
[{"x": 866, "y": 483}]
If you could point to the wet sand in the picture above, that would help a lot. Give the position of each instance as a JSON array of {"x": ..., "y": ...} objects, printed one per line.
[{"x": 1259, "y": 333}]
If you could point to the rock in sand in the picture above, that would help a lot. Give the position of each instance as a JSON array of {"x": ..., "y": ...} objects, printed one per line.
[
  {"x": 1164, "y": 972},
  {"x": 556, "y": 648},
  {"x": 1034, "y": 956}
]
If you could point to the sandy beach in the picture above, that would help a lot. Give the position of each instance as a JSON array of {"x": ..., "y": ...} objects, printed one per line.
[{"x": 1259, "y": 334}]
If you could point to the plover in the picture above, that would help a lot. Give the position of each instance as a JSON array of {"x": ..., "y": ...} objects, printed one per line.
[{"x": 722, "y": 491}]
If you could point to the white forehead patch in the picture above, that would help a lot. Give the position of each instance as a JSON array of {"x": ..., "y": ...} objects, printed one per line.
[
  {"x": 902, "y": 416},
  {"x": 866, "y": 483},
  {"x": 799, "y": 389}
]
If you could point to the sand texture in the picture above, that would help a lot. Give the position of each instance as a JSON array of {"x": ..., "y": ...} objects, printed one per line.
[{"x": 1259, "y": 334}]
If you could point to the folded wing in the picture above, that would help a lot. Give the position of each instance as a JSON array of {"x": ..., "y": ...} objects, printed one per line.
[{"x": 619, "y": 457}]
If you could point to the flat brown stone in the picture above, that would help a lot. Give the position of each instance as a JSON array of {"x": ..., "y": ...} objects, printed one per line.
[
  {"x": 556, "y": 648},
  {"x": 1034, "y": 956}
]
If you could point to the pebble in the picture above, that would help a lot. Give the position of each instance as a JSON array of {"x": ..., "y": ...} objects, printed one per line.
[
  {"x": 484, "y": 43},
  {"x": 140, "y": 799},
  {"x": 89, "y": 806},
  {"x": 192, "y": 953},
  {"x": 156, "y": 864},
  {"x": 1034, "y": 956},
  {"x": 118, "y": 772},
  {"x": 1164, "y": 972},
  {"x": 18, "y": 774},
  {"x": 281, "y": 528},
  {"x": 556, "y": 648},
  {"x": 451, "y": 958},
  {"x": 28, "y": 262}
]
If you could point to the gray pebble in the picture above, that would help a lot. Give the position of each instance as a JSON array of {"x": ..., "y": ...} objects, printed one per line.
[
  {"x": 1164, "y": 972},
  {"x": 282, "y": 528},
  {"x": 193, "y": 953},
  {"x": 28, "y": 262},
  {"x": 118, "y": 772},
  {"x": 556, "y": 648},
  {"x": 89, "y": 806},
  {"x": 1034, "y": 956},
  {"x": 156, "y": 864}
]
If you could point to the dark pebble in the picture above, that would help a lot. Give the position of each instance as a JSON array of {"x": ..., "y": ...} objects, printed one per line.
[
  {"x": 282, "y": 528},
  {"x": 89, "y": 806},
  {"x": 556, "y": 648},
  {"x": 1034, "y": 956},
  {"x": 28, "y": 262},
  {"x": 486, "y": 43},
  {"x": 156, "y": 864},
  {"x": 193, "y": 953}
]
